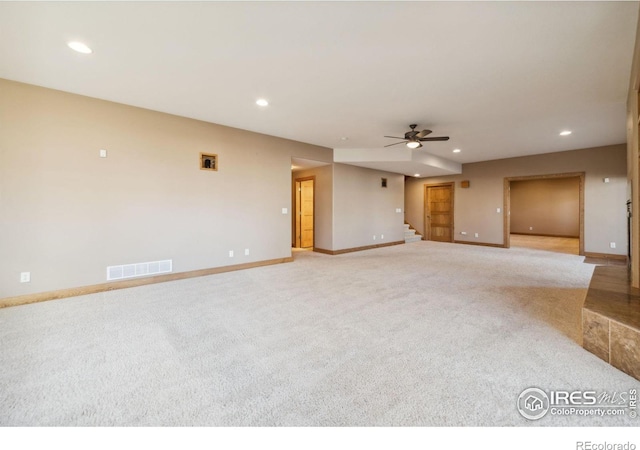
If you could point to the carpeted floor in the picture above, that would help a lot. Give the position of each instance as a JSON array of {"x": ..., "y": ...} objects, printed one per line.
[{"x": 424, "y": 334}]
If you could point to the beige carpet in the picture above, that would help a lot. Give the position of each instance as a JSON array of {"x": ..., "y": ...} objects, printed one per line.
[{"x": 419, "y": 334}]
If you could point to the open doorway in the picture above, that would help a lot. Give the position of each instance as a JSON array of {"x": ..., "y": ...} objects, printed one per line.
[
  {"x": 545, "y": 212},
  {"x": 311, "y": 205},
  {"x": 305, "y": 212}
]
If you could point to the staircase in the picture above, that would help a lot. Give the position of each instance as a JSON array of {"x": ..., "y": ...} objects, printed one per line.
[{"x": 410, "y": 234}]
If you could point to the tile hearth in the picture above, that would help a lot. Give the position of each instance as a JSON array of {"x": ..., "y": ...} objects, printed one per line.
[{"x": 611, "y": 319}]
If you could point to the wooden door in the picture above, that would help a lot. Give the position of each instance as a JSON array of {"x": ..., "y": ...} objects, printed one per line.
[
  {"x": 304, "y": 213},
  {"x": 439, "y": 212}
]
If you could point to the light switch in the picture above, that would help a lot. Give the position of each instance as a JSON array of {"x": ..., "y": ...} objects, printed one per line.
[
  {"x": 103, "y": 153},
  {"x": 285, "y": 211}
]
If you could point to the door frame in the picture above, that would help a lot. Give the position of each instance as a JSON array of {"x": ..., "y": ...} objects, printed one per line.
[
  {"x": 296, "y": 218},
  {"x": 507, "y": 203},
  {"x": 426, "y": 223}
]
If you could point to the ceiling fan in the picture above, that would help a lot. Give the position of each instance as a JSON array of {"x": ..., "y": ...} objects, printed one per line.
[{"x": 414, "y": 138}]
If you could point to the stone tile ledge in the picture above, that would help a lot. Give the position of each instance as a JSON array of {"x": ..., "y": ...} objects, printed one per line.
[{"x": 611, "y": 319}]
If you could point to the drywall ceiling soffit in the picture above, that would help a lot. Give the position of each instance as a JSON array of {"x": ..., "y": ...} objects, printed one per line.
[
  {"x": 398, "y": 160},
  {"x": 299, "y": 164},
  {"x": 501, "y": 78}
]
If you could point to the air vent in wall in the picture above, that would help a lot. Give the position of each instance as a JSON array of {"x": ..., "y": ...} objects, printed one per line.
[{"x": 139, "y": 269}]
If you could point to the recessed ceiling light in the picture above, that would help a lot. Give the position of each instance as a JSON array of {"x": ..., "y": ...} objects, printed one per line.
[
  {"x": 456, "y": 150},
  {"x": 262, "y": 102},
  {"x": 79, "y": 47},
  {"x": 416, "y": 174},
  {"x": 565, "y": 133}
]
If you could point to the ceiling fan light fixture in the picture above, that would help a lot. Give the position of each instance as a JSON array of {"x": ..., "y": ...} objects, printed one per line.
[{"x": 413, "y": 139}]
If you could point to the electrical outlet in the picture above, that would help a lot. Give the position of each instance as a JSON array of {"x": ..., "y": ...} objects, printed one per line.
[
  {"x": 477, "y": 235},
  {"x": 497, "y": 210},
  {"x": 530, "y": 228},
  {"x": 464, "y": 233},
  {"x": 246, "y": 252},
  {"x": 230, "y": 253},
  {"x": 381, "y": 236},
  {"x": 374, "y": 237},
  {"x": 612, "y": 244},
  {"x": 25, "y": 277}
]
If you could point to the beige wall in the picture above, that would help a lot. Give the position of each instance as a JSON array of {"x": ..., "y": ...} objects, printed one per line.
[
  {"x": 323, "y": 198},
  {"x": 476, "y": 207},
  {"x": 351, "y": 206},
  {"x": 66, "y": 214},
  {"x": 362, "y": 209},
  {"x": 549, "y": 206}
]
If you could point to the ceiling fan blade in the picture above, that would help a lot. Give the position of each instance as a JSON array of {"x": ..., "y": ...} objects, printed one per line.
[
  {"x": 394, "y": 137},
  {"x": 423, "y": 133},
  {"x": 402, "y": 142},
  {"x": 443, "y": 138}
]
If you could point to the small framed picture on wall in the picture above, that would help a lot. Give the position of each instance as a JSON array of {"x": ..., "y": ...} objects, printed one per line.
[{"x": 208, "y": 161}]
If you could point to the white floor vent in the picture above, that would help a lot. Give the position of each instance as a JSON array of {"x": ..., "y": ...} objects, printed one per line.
[{"x": 139, "y": 269}]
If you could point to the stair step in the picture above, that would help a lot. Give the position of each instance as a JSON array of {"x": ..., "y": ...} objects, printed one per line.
[{"x": 410, "y": 234}]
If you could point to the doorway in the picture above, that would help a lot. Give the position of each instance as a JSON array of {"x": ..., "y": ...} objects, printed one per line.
[
  {"x": 304, "y": 214},
  {"x": 550, "y": 240},
  {"x": 438, "y": 211}
]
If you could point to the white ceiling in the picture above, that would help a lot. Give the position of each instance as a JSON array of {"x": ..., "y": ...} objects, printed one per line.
[{"x": 501, "y": 78}]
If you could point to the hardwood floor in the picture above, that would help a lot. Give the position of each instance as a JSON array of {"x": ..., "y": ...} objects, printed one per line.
[{"x": 551, "y": 244}]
